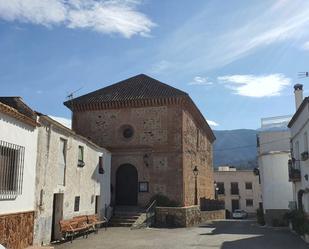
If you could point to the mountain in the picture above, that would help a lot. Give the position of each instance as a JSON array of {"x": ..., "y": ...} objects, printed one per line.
[{"x": 235, "y": 148}]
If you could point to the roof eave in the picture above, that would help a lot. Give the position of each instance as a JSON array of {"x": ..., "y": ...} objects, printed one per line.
[{"x": 297, "y": 113}]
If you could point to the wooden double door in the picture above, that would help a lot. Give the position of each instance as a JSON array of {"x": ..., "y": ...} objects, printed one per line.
[{"x": 126, "y": 185}]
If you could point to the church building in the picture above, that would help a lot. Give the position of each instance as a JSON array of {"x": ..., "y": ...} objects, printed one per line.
[{"x": 156, "y": 135}]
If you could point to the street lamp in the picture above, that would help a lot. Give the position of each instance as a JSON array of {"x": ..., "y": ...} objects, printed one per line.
[
  {"x": 216, "y": 190},
  {"x": 195, "y": 173}
]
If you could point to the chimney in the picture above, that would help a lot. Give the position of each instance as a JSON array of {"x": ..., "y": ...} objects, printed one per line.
[{"x": 298, "y": 92}]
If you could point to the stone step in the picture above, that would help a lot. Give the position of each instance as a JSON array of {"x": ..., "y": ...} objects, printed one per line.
[
  {"x": 123, "y": 213},
  {"x": 126, "y": 216},
  {"x": 120, "y": 224},
  {"x": 120, "y": 221},
  {"x": 115, "y": 219}
]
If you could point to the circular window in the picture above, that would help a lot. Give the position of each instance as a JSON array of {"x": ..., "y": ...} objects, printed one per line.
[{"x": 127, "y": 131}]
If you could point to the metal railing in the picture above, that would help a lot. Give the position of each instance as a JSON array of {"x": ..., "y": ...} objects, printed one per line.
[
  {"x": 11, "y": 170},
  {"x": 211, "y": 205},
  {"x": 294, "y": 170},
  {"x": 221, "y": 191},
  {"x": 234, "y": 191},
  {"x": 150, "y": 213}
]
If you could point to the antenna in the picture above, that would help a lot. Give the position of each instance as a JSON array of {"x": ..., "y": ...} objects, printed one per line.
[
  {"x": 70, "y": 97},
  {"x": 302, "y": 75}
]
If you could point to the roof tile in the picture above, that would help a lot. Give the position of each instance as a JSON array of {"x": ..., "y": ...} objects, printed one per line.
[{"x": 135, "y": 88}]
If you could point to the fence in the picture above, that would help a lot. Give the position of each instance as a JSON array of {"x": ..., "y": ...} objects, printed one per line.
[{"x": 211, "y": 205}]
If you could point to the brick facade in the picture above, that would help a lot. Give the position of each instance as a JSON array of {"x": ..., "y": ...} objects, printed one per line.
[
  {"x": 197, "y": 151},
  {"x": 170, "y": 138}
]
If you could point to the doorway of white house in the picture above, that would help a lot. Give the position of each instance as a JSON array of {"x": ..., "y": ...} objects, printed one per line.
[{"x": 57, "y": 216}]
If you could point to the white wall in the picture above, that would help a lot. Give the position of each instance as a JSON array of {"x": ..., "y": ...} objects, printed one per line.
[
  {"x": 276, "y": 188},
  {"x": 241, "y": 177},
  {"x": 16, "y": 132},
  {"x": 106, "y": 186},
  {"x": 274, "y": 141},
  {"x": 85, "y": 182},
  {"x": 300, "y": 126}
]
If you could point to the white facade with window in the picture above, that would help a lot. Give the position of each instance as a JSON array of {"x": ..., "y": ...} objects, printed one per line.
[
  {"x": 273, "y": 156},
  {"x": 240, "y": 189},
  {"x": 73, "y": 178},
  {"x": 299, "y": 127},
  {"x": 18, "y": 154},
  {"x": 18, "y": 151}
]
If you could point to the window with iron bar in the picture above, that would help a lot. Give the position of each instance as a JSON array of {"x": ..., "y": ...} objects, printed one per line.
[{"x": 11, "y": 170}]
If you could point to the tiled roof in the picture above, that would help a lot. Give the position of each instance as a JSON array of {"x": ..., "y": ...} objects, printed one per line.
[
  {"x": 138, "y": 87},
  {"x": 18, "y": 104}
]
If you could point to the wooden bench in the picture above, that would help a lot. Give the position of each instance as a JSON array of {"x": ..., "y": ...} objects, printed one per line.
[
  {"x": 92, "y": 220},
  {"x": 70, "y": 228},
  {"x": 96, "y": 222}
]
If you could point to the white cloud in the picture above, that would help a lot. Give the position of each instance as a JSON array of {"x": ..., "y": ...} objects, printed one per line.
[
  {"x": 256, "y": 86},
  {"x": 103, "y": 16},
  {"x": 306, "y": 46},
  {"x": 201, "y": 81},
  {"x": 64, "y": 121},
  {"x": 212, "y": 123},
  {"x": 239, "y": 33}
]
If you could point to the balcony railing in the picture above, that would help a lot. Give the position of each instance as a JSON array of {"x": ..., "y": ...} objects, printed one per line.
[
  {"x": 221, "y": 191},
  {"x": 294, "y": 170},
  {"x": 234, "y": 191}
]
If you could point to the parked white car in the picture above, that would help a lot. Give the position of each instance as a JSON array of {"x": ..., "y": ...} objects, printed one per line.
[
  {"x": 239, "y": 214},
  {"x": 2, "y": 247}
]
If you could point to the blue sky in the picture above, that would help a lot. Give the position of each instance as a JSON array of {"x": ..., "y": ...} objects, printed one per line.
[{"x": 238, "y": 60}]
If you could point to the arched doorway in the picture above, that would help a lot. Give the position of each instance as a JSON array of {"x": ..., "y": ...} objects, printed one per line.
[{"x": 126, "y": 185}]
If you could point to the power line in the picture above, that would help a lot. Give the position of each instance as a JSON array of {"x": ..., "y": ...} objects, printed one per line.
[{"x": 250, "y": 145}]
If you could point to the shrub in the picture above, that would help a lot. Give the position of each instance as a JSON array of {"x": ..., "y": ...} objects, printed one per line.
[
  {"x": 298, "y": 220},
  {"x": 260, "y": 216},
  {"x": 164, "y": 201}
]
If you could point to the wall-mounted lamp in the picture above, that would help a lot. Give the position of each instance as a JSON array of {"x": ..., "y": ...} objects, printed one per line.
[{"x": 146, "y": 160}]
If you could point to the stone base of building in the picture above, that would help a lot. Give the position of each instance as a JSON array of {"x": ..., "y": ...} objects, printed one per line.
[
  {"x": 16, "y": 230},
  {"x": 212, "y": 215},
  {"x": 185, "y": 216},
  {"x": 274, "y": 217}
]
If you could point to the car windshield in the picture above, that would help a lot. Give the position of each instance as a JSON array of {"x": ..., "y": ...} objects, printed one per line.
[{"x": 237, "y": 211}]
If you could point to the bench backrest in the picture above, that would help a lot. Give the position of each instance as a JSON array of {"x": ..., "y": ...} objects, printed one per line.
[
  {"x": 65, "y": 225},
  {"x": 81, "y": 218}
]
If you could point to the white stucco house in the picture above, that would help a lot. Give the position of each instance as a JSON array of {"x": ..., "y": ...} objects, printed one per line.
[
  {"x": 240, "y": 189},
  {"x": 18, "y": 154},
  {"x": 273, "y": 155},
  {"x": 73, "y": 178},
  {"x": 299, "y": 163}
]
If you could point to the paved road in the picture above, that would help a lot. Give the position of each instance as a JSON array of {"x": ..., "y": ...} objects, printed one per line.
[{"x": 217, "y": 235}]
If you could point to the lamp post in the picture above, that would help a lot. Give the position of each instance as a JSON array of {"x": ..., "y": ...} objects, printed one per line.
[
  {"x": 195, "y": 173},
  {"x": 216, "y": 190}
]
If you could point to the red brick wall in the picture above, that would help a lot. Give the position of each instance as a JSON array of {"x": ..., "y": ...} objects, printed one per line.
[
  {"x": 197, "y": 152},
  {"x": 168, "y": 135},
  {"x": 157, "y": 133}
]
